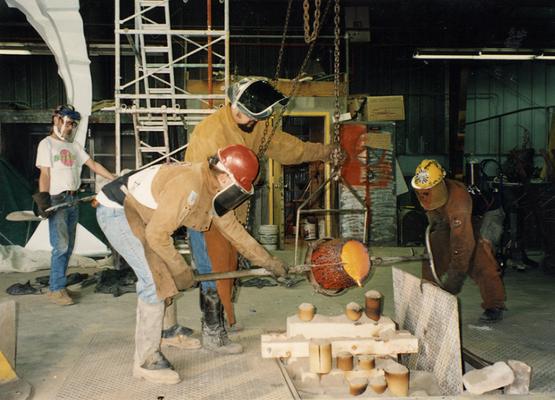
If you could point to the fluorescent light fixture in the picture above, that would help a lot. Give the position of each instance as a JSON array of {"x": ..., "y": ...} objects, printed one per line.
[
  {"x": 15, "y": 52},
  {"x": 479, "y": 55}
]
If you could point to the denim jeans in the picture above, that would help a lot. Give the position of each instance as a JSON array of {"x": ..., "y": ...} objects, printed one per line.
[
  {"x": 62, "y": 226},
  {"x": 113, "y": 223},
  {"x": 199, "y": 253}
]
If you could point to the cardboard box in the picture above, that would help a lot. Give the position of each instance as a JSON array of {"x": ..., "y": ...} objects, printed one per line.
[{"x": 384, "y": 108}]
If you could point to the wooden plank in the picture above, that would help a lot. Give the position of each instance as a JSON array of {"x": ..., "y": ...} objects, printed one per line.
[
  {"x": 280, "y": 345},
  {"x": 305, "y": 89},
  {"x": 8, "y": 329},
  {"x": 324, "y": 327}
]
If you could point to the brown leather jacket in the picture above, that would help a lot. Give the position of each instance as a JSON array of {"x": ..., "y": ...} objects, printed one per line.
[
  {"x": 220, "y": 130},
  {"x": 184, "y": 195},
  {"x": 452, "y": 224}
]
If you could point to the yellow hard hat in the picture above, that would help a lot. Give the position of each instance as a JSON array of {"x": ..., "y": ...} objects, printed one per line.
[{"x": 428, "y": 174}]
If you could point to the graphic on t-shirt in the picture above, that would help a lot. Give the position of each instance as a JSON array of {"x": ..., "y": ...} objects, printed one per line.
[{"x": 65, "y": 157}]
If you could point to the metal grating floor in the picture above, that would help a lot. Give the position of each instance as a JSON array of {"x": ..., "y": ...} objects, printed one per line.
[
  {"x": 496, "y": 342},
  {"x": 104, "y": 372}
]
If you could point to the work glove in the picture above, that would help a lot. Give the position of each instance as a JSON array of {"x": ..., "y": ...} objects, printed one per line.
[
  {"x": 185, "y": 279},
  {"x": 337, "y": 154},
  {"x": 277, "y": 267},
  {"x": 337, "y": 157},
  {"x": 454, "y": 281},
  {"x": 42, "y": 200}
]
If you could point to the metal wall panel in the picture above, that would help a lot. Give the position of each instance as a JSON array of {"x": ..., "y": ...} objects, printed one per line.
[
  {"x": 32, "y": 81},
  {"x": 505, "y": 87},
  {"x": 391, "y": 71}
]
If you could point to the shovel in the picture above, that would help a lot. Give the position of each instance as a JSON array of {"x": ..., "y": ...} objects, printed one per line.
[{"x": 27, "y": 215}]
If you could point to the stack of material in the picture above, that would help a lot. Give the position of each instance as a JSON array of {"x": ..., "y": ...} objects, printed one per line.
[{"x": 355, "y": 352}]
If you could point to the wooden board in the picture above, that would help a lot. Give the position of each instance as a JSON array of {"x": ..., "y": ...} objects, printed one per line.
[{"x": 280, "y": 345}]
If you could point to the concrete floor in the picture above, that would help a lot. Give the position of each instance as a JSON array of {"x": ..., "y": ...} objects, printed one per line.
[{"x": 51, "y": 338}]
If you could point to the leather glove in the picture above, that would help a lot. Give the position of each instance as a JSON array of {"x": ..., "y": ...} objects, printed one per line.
[
  {"x": 42, "y": 200},
  {"x": 277, "y": 267},
  {"x": 337, "y": 154},
  {"x": 185, "y": 279},
  {"x": 337, "y": 157},
  {"x": 454, "y": 281}
]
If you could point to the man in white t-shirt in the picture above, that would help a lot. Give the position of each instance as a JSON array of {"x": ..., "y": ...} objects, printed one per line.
[{"x": 60, "y": 161}]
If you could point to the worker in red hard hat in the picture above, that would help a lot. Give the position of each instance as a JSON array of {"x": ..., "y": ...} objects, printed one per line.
[{"x": 138, "y": 214}]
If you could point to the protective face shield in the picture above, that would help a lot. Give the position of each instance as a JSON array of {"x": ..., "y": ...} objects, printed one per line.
[
  {"x": 255, "y": 98},
  {"x": 434, "y": 198},
  {"x": 230, "y": 197},
  {"x": 241, "y": 166},
  {"x": 66, "y": 123}
]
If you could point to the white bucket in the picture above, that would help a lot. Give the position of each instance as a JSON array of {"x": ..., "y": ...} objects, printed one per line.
[
  {"x": 269, "y": 236},
  {"x": 309, "y": 231}
]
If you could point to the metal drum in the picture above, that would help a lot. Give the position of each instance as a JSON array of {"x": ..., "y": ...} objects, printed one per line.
[{"x": 337, "y": 265}]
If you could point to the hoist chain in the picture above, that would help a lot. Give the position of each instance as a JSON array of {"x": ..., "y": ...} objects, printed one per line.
[
  {"x": 267, "y": 137},
  {"x": 337, "y": 156},
  {"x": 310, "y": 37},
  {"x": 283, "y": 37}
]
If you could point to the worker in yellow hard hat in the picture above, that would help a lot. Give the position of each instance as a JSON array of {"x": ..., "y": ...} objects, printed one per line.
[{"x": 457, "y": 247}]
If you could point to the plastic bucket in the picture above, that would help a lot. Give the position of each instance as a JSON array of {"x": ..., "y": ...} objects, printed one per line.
[
  {"x": 309, "y": 230},
  {"x": 269, "y": 236}
]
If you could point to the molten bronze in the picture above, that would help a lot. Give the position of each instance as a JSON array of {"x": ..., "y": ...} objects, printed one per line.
[{"x": 337, "y": 264}]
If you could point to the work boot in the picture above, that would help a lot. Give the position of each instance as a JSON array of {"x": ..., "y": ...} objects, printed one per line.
[
  {"x": 59, "y": 297},
  {"x": 156, "y": 369},
  {"x": 214, "y": 334},
  {"x": 492, "y": 315},
  {"x": 174, "y": 334},
  {"x": 149, "y": 362},
  {"x": 177, "y": 336},
  {"x": 72, "y": 293}
]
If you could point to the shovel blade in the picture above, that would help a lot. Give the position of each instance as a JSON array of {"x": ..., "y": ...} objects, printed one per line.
[{"x": 23, "y": 216}]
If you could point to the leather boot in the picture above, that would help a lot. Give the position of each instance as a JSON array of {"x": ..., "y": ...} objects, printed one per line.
[
  {"x": 149, "y": 362},
  {"x": 214, "y": 334},
  {"x": 492, "y": 315},
  {"x": 176, "y": 335}
]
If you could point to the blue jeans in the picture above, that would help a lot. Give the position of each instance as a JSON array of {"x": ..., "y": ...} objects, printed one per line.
[
  {"x": 114, "y": 224},
  {"x": 199, "y": 253},
  {"x": 62, "y": 226}
]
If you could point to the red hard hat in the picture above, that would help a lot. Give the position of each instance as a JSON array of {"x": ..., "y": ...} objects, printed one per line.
[{"x": 241, "y": 162}]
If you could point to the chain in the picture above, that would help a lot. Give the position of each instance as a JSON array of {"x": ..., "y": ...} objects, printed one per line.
[
  {"x": 283, "y": 37},
  {"x": 310, "y": 37},
  {"x": 337, "y": 156},
  {"x": 267, "y": 137}
]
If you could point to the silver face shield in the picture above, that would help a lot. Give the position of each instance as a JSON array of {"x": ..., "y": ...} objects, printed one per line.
[
  {"x": 66, "y": 122},
  {"x": 229, "y": 198}
]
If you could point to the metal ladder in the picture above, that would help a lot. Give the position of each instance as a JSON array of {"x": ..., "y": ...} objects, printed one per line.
[
  {"x": 157, "y": 79},
  {"x": 158, "y": 103}
]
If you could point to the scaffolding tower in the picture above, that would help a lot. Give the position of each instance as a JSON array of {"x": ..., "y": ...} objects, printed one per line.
[{"x": 172, "y": 85}]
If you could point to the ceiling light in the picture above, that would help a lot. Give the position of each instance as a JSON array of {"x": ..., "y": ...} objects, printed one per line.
[
  {"x": 15, "y": 52},
  {"x": 479, "y": 55}
]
